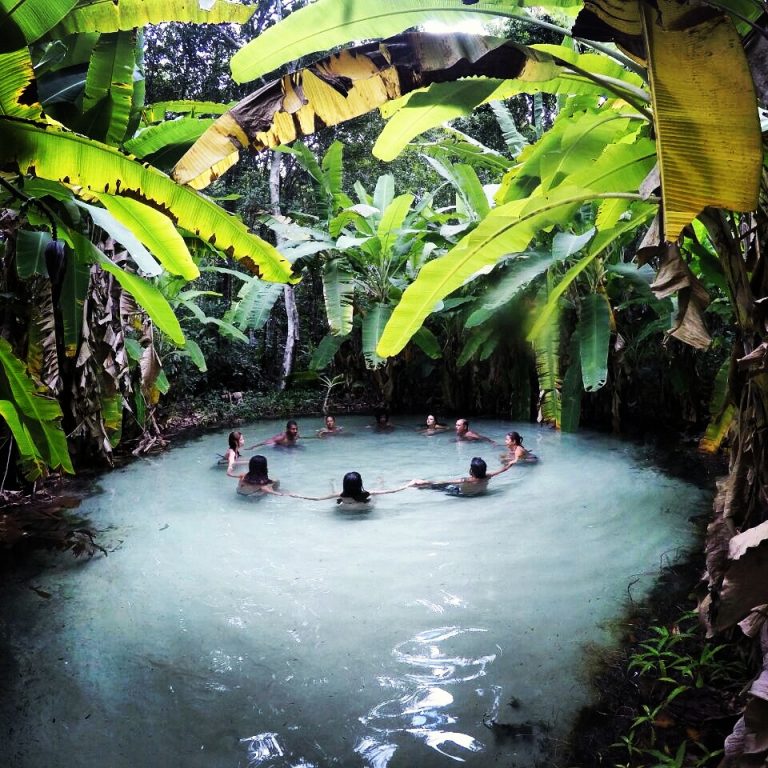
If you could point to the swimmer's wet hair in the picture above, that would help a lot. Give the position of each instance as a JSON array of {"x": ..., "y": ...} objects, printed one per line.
[
  {"x": 352, "y": 488},
  {"x": 257, "y": 471},
  {"x": 478, "y": 468},
  {"x": 516, "y": 436}
]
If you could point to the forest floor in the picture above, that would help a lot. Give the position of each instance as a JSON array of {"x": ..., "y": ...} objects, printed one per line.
[{"x": 667, "y": 696}]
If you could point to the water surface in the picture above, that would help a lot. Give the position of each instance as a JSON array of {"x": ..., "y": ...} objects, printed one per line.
[{"x": 225, "y": 631}]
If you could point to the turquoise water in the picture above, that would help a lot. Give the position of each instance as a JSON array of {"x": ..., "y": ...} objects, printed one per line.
[{"x": 273, "y": 632}]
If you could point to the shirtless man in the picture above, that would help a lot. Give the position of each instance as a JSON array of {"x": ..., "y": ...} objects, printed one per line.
[
  {"x": 287, "y": 439},
  {"x": 464, "y": 433}
]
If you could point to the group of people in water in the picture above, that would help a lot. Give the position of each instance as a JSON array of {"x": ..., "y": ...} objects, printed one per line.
[{"x": 256, "y": 480}]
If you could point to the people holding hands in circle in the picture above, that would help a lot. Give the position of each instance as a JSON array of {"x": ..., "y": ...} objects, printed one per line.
[
  {"x": 257, "y": 479},
  {"x": 515, "y": 451},
  {"x": 352, "y": 491},
  {"x": 473, "y": 485}
]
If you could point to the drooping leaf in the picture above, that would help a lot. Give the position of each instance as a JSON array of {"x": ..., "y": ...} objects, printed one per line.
[
  {"x": 373, "y": 326},
  {"x": 158, "y": 112},
  {"x": 594, "y": 334},
  {"x": 546, "y": 348},
  {"x": 326, "y": 349},
  {"x": 343, "y": 86},
  {"x": 338, "y": 291},
  {"x": 514, "y": 140},
  {"x": 149, "y": 297},
  {"x": 34, "y": 466},
  {"x": 156, "y": 231},
  {"x": 473, "y": 345},
  {"x": 428, "y": 343},
  {"x": 30, "y": 253},
  {"x": 74, "y": 289},
  {"x": 192, "y": 349},
  {"x": 109, "y": 88},
  {"x": 255, "y": 300},
  {"x": 57, "y": 154}
]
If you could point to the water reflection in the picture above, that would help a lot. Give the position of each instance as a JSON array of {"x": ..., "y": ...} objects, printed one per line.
[{"x": 430, "y": 665}]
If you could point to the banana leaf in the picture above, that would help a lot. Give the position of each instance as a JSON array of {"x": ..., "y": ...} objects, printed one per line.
[
  {"x": 32, "y": 461},
  {"x": 428, "y": 343},
  {"x": 373, "y": 326},
  {"x": 329, "y": 23},
  {"x": 16, "y": 85},
  {"x": 24, "y": 21},
  {"x": 326, "y": 350},
  {"x": 57, "y": 154},
  {"x": 546, "y": 347},
  {"x": 338, "y": 292},
  {"x": 593, "y": 331},
  {"x": 255, "y": 300},
  {"x": 30, "y": 253}
]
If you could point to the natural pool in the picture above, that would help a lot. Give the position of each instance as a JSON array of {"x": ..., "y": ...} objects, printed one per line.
[{"x": 226, "y": 631}]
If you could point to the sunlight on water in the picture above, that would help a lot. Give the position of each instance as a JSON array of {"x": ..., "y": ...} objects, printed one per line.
[{"x": 273, "y": 633}]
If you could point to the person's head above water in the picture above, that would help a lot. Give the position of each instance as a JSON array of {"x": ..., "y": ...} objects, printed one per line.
[
  {"x": 513, "y": 438},
  {"x": 462, "y": 426},
  {"x": 431, "y": 420},
  {"x": 330, "y": 422},
  {"x": 258, "y": 473},
  {"x": 352, "y": 487},
  {"x": 477, "y": 468},
  {"x": 382, "y": 418},
  {"x": 291, "y": 429},
  {"x": 236, "y": 441}
]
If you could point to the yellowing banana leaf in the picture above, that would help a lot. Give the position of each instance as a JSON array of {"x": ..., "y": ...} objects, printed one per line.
[
  {"x": 117, "y": 15},
  {"x": 340, "y": 87},
  {"x": 58, "y": 154},
  {"x": 24, "y": 21},
  {"x": 16, "y": 76},
  {"x": 707, "y": 157},
  {"x": 156, "y": 231},
  {"x": 109, "y": 88}
]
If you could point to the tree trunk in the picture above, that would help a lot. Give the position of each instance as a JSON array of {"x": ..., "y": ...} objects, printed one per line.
[{"x": 292, "y": 315}]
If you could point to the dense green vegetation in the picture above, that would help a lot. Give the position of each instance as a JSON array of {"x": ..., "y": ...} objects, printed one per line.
[{"x": 530, "y": 226}]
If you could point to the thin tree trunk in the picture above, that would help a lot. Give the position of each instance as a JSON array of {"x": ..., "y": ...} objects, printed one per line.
[{"x": 291, "y": 313}]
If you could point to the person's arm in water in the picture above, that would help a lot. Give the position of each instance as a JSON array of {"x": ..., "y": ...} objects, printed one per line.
[
  {"x": 489, "y": 475},
  {"x": 409, "y": 484}
]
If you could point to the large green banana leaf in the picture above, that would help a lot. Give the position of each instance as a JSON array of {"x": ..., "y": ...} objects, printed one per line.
[
  {"x": 157, "y": 112},
  {"x": 117, "y": 15},
  {"x": 24, "y": 21},
  {"x": 346, "y": 85},
  {"x": 40, "y": 414},
  {"x": 58, "y": 154},
  {"x": 156, "y": 231},
  {"x": 30, "y": 456},
  {"x": 255, "y": 300},
  {"x": 338, "y": 291},
  {"x": 392, "y": 219},
  {"x": 570, "y": 408},
  {"x": 30, "y": 253},
  {"x": 546, "y": 348},
  {"x": 594, "y": 334},
  {"x": 109, "y": 88},
  {"x": 326, "y": 24},
  {"x": 165, "y": 143},
  {"x": 509, "y": 229},
  {"x": 546, "y": 73},
  {"x": 373, "y": 325},
  {"x": 465, "y": 181}
]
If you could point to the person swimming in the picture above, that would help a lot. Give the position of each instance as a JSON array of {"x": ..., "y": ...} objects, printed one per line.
[
  {"x": 515, "y": 451},
  {"x": 330, "y": 427},
  {"x": 257, "y": 479},
  {"x": 232, "y": 456},
  {"x": 382, "y": 422},
  {"x": 352, "y": 491},
  {"x": 432, "y": 426},
  {"x": 287, "y": 439},
  {"x": 465, "y": 434},
  {"x": 473, "y": 485}
]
